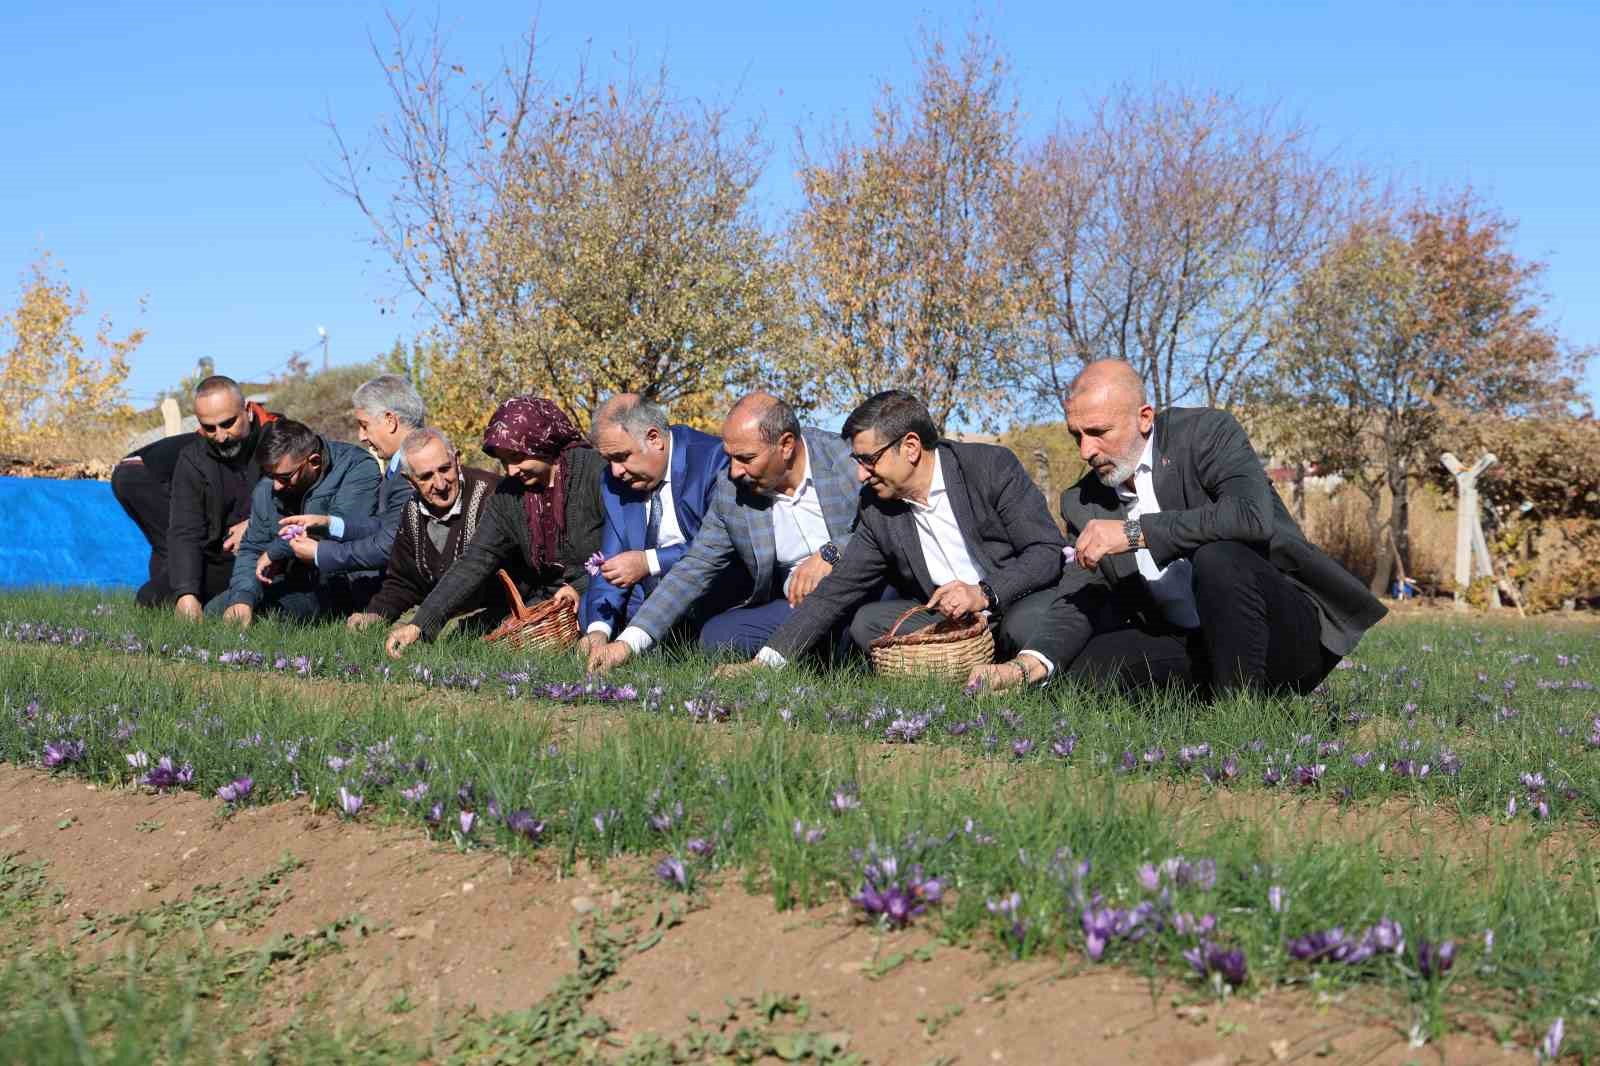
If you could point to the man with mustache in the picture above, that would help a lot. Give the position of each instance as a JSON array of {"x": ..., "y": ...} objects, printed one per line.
[
  {"x": 778, "y": 523},
  {"x": 208, "y": 503},
  {"x": 436, "y": 526},
  {"x": 659, "y": 483},
  {"x": 302, "y": 473},
  {"x": 1189, "y": 569},
  {"x": 958, "y": 529}
]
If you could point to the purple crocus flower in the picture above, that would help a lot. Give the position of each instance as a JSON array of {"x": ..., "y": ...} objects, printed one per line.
[
  {"x": 845, "y": 800},
  {"x": 1307, "y": 776},
  {"x": 1315, "y": 946},
  {"x": 349, "y": 802},
  {"x": 1063, "y": 747},
  {"x": 593, "y": 564},
  {"x": 1387, "y": 937},
  {"x": 1098, "y": 928},
  {"x": 1435, "y": 960},
  {"x": 467, "y": 820},
  {"x": 1069, "y": 555},
  {"x": 291, "y": 532},
  {"x": 1550, "y": 1047},
  {"x": 808, "y": 834},
  {"x": 63, "y": 752},
  {"x": 435, "y": 815},
  {"x": 673, "y": 872},
  {"x": 1005, "y": 906},
  {"x": 667, "y": 817},
  {"x": 415, "y": 793},
  {"x": 604, "y": 819},
  {"x": 1271, "y": 776},
  {"x": 236, "y": 790},
  {"x": 700, "y": 847},
  {"x": 524, "y": 824},
  {"x": 1021, "y": 747},
  {"x": 1149, "y": 877},
  {"x": 168, "y": 774}
]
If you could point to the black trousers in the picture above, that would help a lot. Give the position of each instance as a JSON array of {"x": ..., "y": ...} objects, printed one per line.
[
  {"x": 1257, "y": 631},
  {"x": 1011, "y": 633}
]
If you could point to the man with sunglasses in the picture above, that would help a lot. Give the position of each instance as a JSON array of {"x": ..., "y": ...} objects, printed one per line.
[
  {"x": 195, "y": 517},
  {"x": 958, "y": 529},
  {"x": 302, "y": 472}
]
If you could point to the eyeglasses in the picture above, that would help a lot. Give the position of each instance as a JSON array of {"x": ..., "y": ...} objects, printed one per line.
[
  {"x": 871, "y": 461},
  {"x": 286, "y": 478}
]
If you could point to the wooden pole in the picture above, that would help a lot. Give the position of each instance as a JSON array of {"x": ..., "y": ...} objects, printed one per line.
[{"x": 1469, "y": 527}]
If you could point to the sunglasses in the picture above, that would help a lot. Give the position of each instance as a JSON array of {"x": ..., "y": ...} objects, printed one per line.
[
  {"x": 287, "y": 477},
  {"x": 868, "y": 462}
]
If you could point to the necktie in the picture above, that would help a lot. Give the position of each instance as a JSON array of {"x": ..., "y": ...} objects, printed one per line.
[{"x": 652, "y": 523}]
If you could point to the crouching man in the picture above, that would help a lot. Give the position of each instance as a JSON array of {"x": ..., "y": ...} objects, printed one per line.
[
  {"x": 301, "y": 472},
  {"x": 435, "y": 528}
]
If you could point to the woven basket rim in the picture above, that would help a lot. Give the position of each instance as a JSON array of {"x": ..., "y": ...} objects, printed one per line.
[{"x": 944, "y": 631}]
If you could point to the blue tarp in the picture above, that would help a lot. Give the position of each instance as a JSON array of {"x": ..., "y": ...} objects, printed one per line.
[{"x": 67, "y": 533}]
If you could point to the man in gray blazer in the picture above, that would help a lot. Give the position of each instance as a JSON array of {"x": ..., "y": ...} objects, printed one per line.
[
  {"x": 1188, "y": 566},
  {"x": 958, "y": 529},
  {"x": 780, "y": 518}
]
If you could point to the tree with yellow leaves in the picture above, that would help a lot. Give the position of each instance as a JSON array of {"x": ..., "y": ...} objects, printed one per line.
[{"x": 49, "y": 381}]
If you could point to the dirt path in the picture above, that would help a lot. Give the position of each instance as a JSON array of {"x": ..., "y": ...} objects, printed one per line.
[{"x": 451, "y": 930}]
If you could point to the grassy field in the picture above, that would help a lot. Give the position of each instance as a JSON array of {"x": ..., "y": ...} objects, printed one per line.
[{"x": 1421, "y": 828}]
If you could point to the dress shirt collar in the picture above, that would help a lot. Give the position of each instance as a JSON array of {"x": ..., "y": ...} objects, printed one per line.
[
  {"x": 935, "y": 486},
  {"x": 1147, "y": 461},
  {"x": 453, "y": 511},
  {"x": 805, "y": 482}
]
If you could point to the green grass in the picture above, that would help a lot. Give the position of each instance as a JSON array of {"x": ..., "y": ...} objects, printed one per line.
[{"x": 958, "y": 800}]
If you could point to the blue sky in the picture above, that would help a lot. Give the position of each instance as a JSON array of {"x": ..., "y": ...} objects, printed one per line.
[{"x": 172, "y": 150}]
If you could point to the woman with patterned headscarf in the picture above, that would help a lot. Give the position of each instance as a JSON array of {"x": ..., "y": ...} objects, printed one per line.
[{"x": 543, "y": 522}]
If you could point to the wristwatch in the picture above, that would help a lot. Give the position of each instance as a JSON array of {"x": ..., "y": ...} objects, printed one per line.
[
  {"x": 1135, "y": 535},
  {"x": 988, "y": 593},
  {"x": 829, "y": 553}
]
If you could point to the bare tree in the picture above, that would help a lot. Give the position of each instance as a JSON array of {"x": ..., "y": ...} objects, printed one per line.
[
  {"x": 572, "y": 240},
  {"x": 1167, "y": 230}
]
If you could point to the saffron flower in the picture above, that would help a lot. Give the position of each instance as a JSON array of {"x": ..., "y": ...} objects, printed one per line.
[
  {"x": 291, "y": 532},
  {"x": 467, "y": 820},
  {"x": 137, "y": 759},
  {"x": 167, "y": 774},
  {"x": 415, "y": 793},
  {"x": 1063, "y": 747},
  {"x": 349, "y": 803},
  {"x": 524, "y": 824},
  {"x": 700, "y": 847},
  {"x": 673, "y": 872},
  {"x": 1021, "y": 747},
  {"x": 845, "y": 799},
  {"x": 1550, "y": 1047},
  {"x": 593, "y": 564},
  {"x": 808, "y": 834},
  {"x": 1229, "y": 967},
  {"x": 1069, "y": 555},
  {"x": 1434, "y": 960},
  {"x": 63, "y": 752},
  {"x": 435, "y": 815},
  {"x": 236, "y": 790}
]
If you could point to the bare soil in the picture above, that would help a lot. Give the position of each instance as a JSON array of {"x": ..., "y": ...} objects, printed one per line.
[{"x": 451, "y": 931}]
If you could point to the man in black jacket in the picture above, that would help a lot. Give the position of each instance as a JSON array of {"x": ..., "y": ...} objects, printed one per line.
[
  {"x": 142, "y": 483},
  {"x": 958, "y": 529},
  {"x": 1188, "y": 566},
  {"x": 211, "y": 484}
]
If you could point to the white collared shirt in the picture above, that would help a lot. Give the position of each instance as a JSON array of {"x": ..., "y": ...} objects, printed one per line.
[
  {"x": 799, "y": 528},
  {"x": 944, "y": 546},
  {"x": 1171, "y": 586},
  {"x": 670, "y": 534}
]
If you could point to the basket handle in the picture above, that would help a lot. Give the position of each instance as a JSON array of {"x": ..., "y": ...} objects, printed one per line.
[
  {"x": 898, "y": 622},
  {"x": 518, "y": 610}
]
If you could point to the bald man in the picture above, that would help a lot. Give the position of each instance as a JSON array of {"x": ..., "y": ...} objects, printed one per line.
[
  {"x": 776, "y": 526},
  {"x": 1188, "y": 566}
]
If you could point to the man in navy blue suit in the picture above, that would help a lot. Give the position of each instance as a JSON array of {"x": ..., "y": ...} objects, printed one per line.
[{"x": 660, "y": 481}]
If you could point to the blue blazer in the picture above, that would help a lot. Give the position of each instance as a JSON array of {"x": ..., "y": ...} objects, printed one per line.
[{"x": 698, "y": 464}]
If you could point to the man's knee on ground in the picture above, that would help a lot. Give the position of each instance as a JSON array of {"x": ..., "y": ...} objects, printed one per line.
[{"x": 1220, "y": 561}]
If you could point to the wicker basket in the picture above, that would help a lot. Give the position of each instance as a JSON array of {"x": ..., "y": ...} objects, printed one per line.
[
  {"x": 552, "y": 624},
  {"x": 947, "y": 650}
]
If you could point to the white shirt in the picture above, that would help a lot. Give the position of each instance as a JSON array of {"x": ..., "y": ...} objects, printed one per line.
[
  {"x": 799, "y": 528},
  {"x": 1171, "y": 586},
  {"x": 669, "y": 535},
  {"x": 945, "y": 552}
]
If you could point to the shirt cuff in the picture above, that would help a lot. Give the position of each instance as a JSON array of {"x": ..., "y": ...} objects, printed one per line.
[
  {"x": 653, "y": 562},
  {"x": 772, "y": 658},
  {"x": 336, "y": 527},
  {"x": 1049, "y": 667},
  {"x": 603, "y": 628},
  {"x": 637, "y": 640}
]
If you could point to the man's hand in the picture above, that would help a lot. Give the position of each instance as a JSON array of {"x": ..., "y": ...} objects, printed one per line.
[
  {"x": 1100, "y": 537},
  {"x": 188, "y": 608},
  {"x": 304, "y": 548},
  {"x": 240, "y": 614},
  {"x": 266, "y": 569},
  {"x": 588, "y": 643},
  {"x": 997, "y": 677},
  {"x": 362, "y": 619},
  {"x": 606, "y": 657},
  {"x": 310, "y": 521},
  {"x": 400, "y": 638},
  {"x": 568, "y": 594},
  {"x": 957, "y": 599},
  {"x": 230, "y": 543},
  {"x": 738, "y": 669},
  {"x": 625, "y": 569},
  {"x": 807, "y": 576}
]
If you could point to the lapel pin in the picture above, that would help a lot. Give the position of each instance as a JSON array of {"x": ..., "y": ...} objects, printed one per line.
[{"x": 1166, "y": 460}]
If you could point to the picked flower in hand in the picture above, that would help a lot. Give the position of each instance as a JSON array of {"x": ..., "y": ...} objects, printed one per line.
[
  {"x": 1069, "y": 555},
  {"x": 594, "y": 563},
  {"x": 291, "y": 532}
]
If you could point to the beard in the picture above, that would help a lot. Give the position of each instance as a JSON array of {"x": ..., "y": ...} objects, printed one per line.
[
  {"x": 225, "y": 452},
  {"x": 1121, "y": 472}
]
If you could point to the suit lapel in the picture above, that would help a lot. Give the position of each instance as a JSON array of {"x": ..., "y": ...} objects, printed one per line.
[
  {"x": 837, "y": 488},
  {"x": 1123, "y": 565},
  {"x": 679, "y": 467},
  {"x": 955, "y": 485},
  {"x": 763, "y": 543},
  {"x": 1166, "y": 477}
]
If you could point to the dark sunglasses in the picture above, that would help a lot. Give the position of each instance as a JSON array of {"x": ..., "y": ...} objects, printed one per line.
[{"x": 212, "y": 427}]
